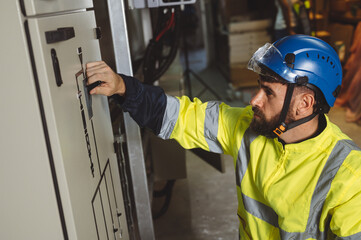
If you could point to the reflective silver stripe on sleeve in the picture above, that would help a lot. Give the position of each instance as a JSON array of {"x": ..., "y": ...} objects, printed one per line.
[
  {"x": 339, "y": 153},
  {"x": 170, "y": 117},
  {"x": 356, "y": 236},
  {"x": 211, "y": 127},
  {"x": 244, "y": 155}
]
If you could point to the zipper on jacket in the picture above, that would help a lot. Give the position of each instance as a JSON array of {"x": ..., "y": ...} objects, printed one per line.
[{"x": 276, "y": 172}]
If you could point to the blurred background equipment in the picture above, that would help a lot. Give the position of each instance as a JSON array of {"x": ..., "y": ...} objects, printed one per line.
[
  {"x": 163, "y": 47},
  {"x": 158, "y": 3}
]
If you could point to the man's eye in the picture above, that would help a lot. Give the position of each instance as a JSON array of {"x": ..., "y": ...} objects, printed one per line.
[{"x": 268, "y": 92}]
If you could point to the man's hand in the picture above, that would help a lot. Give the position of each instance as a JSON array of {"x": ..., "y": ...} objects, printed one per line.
[{"x": 111, "y": 84}]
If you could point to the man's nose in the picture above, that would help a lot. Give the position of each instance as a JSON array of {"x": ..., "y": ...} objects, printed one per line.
[{"x": 257, "y": 100}]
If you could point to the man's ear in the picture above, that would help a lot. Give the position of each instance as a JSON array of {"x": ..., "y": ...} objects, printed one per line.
[{"x": 305, "y": 104}]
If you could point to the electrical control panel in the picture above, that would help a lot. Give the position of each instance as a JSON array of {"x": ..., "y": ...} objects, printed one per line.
[{"x": 59, "y": 174}]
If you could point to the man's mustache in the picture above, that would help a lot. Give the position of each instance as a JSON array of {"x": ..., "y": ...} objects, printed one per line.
[{"x": 257, "y": 111}]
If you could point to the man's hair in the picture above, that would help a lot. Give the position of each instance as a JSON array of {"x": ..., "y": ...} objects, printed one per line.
[{"x": 272, "y": 79}]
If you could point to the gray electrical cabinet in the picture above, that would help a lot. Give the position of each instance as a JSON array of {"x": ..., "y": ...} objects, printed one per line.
[{"x": 59, "y": 177}]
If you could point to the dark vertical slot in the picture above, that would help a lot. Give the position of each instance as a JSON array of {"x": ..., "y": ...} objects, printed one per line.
[
  {"x": 22, "y": 7},
  {"x": 56, "y": 67},
  {"x": 46, "y": 133},
  {"x": 121, "y": 151},
  {"x": 80, "y": 73}
]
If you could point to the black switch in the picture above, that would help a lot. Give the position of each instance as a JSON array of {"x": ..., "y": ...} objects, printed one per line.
[
  {"x": 61, "y": 34},
  {"x": 98, "y": 33},
  {"x": 56, "y": 68}
]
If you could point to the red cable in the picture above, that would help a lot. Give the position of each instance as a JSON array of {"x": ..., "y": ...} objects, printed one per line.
[{"x": 171, "y": 22}]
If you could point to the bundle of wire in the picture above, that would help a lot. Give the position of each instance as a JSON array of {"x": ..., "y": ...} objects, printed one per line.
[{"x": 163, "y": 48}]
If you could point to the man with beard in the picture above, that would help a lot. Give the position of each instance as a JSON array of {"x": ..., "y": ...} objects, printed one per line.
[{"x": 297, "y": 175}]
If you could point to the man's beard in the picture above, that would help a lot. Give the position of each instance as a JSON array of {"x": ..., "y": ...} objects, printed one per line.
[{"x": 263, "y": 127}]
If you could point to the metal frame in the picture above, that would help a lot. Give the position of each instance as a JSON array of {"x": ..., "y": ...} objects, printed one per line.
[
  {"x": 133, "y": 138},
  {"x": 157, "y": 3}
]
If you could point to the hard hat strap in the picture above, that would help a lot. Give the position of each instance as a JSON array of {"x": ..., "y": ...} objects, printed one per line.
[
  {"x": 283, "y": 127},
  {"x": 286, "y": 105},
  {"x": 302, "y": 121}
]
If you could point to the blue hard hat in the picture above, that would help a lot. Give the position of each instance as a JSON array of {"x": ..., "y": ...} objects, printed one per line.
[{"x": 302, "y": 59}]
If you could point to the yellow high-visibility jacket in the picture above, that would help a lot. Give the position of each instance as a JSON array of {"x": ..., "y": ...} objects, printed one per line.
[{"x": 306, "y": 190}]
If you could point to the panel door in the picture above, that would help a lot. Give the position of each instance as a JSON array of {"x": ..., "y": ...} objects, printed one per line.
[
  {"x": 79, "y": 124},
  {"x": 28, "y": 208},
  {"x": 35, "y": 7}
]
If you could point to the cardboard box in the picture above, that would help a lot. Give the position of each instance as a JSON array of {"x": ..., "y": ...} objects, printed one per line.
[
  {"x": 250, "y": 26},
  {"x": 245, "y": 37},
  {"x": 248, "y": 37},
  {"x": 243, "y": 45}
]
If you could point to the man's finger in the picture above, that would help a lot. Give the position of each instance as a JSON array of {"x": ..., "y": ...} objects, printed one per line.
[
  {"x": 100, "y": 90},
  {"x": 96, "y": 67},
  {"x": 93, "y": 91},
  {"x": 101, "y": 69},
  {"x": 92, "y": 64},
  {"x": 91, "y": 71}
]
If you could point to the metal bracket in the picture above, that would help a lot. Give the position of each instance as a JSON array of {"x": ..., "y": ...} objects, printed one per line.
[{"x": 157, "y": 3}]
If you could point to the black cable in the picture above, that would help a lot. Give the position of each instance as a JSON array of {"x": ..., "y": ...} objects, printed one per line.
[
  {"x": 167, "y": 192},
  {"x": 163, "y": 47}
]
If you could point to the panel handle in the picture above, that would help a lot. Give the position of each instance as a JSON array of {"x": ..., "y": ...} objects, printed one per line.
[{"x": 61, "y": 34}]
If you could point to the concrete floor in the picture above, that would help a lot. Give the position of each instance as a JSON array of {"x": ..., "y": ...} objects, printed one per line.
[{"x": 204, "y": 205}]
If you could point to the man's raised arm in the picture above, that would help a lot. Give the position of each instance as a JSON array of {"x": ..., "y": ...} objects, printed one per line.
[{"x": 146, "y": 104}]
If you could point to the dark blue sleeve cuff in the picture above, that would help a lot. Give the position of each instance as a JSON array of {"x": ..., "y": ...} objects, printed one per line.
[{"x": 145, "y": 103}]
